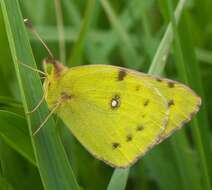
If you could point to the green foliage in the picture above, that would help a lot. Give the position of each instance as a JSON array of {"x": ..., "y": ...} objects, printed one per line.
[{"x": 143, "y": 35}]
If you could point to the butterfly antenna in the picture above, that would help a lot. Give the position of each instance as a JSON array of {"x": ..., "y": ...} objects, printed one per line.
[{"x": 29, "y": 25}]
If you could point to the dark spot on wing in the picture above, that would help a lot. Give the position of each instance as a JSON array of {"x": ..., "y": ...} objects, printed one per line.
[
  {"x": 122, "y": 74},
  {"x": 170, "y": 102},
  {"x": 171, "y": 84},
  {"x": 139, "y": 128},
  {"x": 115, "y": 145},
  {"x": 137, "y": 88},
  {"x": 146, "y": 102},
  {"x": 129, "y": 138},
  {"x": 143, "y": 116}
]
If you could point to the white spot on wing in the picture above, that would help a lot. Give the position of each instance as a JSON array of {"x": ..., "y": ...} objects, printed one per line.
[{"x": 114, "y": 103}]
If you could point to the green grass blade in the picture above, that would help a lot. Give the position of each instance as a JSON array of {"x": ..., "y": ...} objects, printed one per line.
[
  {"x": 201, "y": 133},
  {"x": 53, "y": 165},
  {"x": 127, "y": 20},
  {"x": 186, "y": 171},
  {"x": 11, "y": 105},
  {"x": 128, "y": 51},
  {"x": 204, "y": 55},
  {"x": 14, "y": 132},
  {"x": 6, "y": 101},
  {"x": 18, "y": 172},
  {"x": 72, "y": 12},
  {"x": 4, "y": 185},
  {"x": 77, "y": 51},
  {"x": 60, "y": 28},
  {"x": 119, "y": 176},
  {"x": 161, "y": 165},
  {"x": 186, "y": 165},
  {"x": 159, "y": 60}
]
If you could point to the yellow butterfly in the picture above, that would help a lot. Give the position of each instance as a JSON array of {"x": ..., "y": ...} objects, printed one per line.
[{"x": 117, "y": 114}]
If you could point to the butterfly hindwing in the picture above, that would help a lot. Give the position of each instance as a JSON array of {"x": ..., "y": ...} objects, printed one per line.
[{"x": 182, "y": 101}]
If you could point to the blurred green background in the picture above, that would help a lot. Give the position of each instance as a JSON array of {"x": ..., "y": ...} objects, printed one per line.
[{"x": 118, "y": 32}]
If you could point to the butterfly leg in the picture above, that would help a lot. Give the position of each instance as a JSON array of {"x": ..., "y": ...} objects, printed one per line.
[
  {"x": 40, "y": 102},
  {"x": 47, "y": 117},
  {"x": 32, "y": 69},
  {"x": 62, "y": 99},
  {"x": 38, "y": 105}
]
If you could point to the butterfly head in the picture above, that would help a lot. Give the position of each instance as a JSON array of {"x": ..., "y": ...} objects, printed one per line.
[
  {"x": 53, "y": 68},
  {"x": 54, "y": 71}
]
